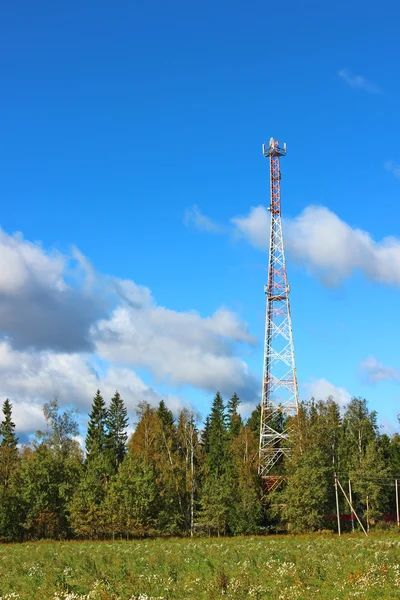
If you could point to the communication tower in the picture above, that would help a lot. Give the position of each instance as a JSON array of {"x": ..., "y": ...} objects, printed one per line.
[{"x": 280, "y": 396}]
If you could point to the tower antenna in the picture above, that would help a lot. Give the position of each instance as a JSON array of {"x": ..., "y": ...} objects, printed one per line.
[{"x": 280, "y": 396}]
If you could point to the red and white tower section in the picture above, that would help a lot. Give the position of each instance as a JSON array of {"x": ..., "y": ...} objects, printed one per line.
[{"x": 280, "y": 397}]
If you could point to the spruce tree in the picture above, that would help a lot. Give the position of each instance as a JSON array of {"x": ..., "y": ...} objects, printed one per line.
[
  {"x": 10, "y": 527},
  {"x": 254, "y": 421},
  {"x": 217, "y": 437},
  {"x": 165, "y": 415},
  {"x": 235, "y": 422},
  {"x": 96, "y": 438},
  {"x": 205, "y": 434},
  {"x": 7, "y": 427},
  {"x": 117, "y": 423},
  {"x": 216, "y": 485}
]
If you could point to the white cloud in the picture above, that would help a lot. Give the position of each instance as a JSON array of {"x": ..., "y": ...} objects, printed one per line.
[
  {"x": 38, "y": 309},
  {"x": 55, "y": 311},
  {"x": 27, "y": 416},
  {"x": 358, "y": 81},
  {"x": 254, "y": 227},
  {"x": 393, "y": 167},
  {"x": 23, "y": 261},
  {"x": 194, "y": 217},
  {"x": 30, "y": 379},
  {"x": 375, "y": 371},
  {"x": 246, "y": 408},
  {"x": 327, "y": 246},
  {"x": 321, "y": 389},
  {"x": 181, "y": 348}
]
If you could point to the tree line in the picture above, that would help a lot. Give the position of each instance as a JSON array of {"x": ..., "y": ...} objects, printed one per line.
[{"x": 173, "y": 478}]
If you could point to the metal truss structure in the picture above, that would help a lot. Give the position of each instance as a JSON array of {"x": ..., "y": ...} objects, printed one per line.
[{"x": 280, "y": 395}]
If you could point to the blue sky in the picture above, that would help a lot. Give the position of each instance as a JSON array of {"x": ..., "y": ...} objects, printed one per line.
[{"x": 118, "y": 120}]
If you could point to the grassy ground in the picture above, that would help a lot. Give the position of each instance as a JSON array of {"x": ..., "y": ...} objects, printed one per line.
[{"x": 281, "y": 568}]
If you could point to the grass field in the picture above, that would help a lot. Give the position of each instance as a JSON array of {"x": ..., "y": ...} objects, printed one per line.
[{"x": 271, "y": 567}]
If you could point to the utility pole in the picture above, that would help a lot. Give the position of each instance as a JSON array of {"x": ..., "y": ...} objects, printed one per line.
[
  {"x": 397, "y": 503},
  {"x": 337, "y": 505},
  {"x": 350, "y": 504},
  {"x": 280, "y": 397}
]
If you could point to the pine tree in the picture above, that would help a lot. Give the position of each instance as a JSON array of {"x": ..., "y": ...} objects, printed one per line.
[
  {"x": 96, "y": 439},
  {"x": 7, "y": 427},
  {"x": 117, "y": 422}
]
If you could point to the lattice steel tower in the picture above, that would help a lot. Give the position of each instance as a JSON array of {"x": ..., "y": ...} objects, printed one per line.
[{"x": 280, "y": 395}]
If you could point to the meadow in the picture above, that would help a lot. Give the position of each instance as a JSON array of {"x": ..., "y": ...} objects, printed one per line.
[{"x": 281, "y": 568}]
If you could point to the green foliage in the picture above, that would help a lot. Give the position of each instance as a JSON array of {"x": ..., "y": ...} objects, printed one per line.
[
  {"x": 359, "y": 428},
  {"x": 117, "y": 422},
  {"x": 235, "y": 422},
  {"x": 367, "y": 476},
  {"x": 96, "y": 438},
  {"x": 131, "y": 504},
  {"x": 7, "y": 427},
  {"x": 155, "y": 443},
  {"x": 170, "y": 478},
  {"x": 61, "y": 428},
  {"x": 47, "y": 482},
  {"x": 10, "y": 505},
  {"x": 86, "y": 507},
  {"x": 213, "y": 516},
  {"x": 217, "y": 438},
  {"x": 306, "y": 497},
  {"x": 165, "y": 415},
  {"x": 254, "y": 421},
  {"x": 246, "y": 508}
]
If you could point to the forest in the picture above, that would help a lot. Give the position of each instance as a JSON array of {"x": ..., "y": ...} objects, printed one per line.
[{"x": 173, "y": 477}]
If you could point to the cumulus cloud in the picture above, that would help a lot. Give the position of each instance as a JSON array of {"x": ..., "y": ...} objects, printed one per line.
[
  {"x": 358, "y": 81},
  {"x": 327, "y": 246},
  {"x": 66, "y": 331},
  {"x": 321, "y": 389},
  {"x": 193, "y": 217},
  {"x": 30, "y": 379},
  {"x": 38, "y": 308},
  {"x": 374, "y": 371},
  {"x": 180, "y": 348}
]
